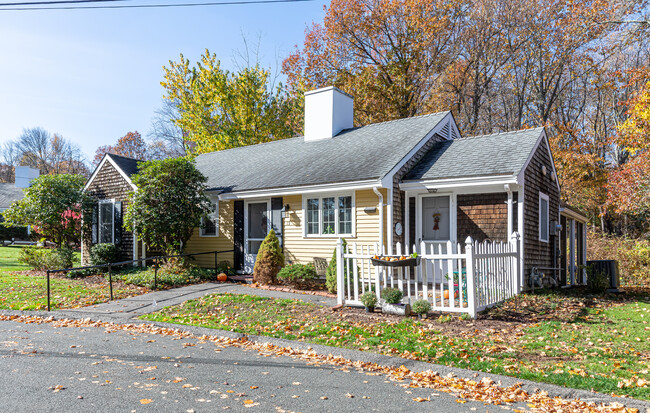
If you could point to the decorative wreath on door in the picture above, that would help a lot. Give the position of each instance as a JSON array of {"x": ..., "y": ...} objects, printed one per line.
[{"x": 436, "y": 221}]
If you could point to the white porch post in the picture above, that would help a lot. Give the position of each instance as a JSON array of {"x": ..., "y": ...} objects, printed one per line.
[
  {"x": 510, "y": 218},
  {"x": 407, "y": 223},
  {"x": 522, "y": 234}
]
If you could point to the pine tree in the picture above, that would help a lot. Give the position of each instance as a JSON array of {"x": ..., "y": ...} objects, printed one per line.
[{"x": 269, "y": 260}]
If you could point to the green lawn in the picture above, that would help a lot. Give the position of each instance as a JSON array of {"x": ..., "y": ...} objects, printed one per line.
[
  {"x": 567, "y": 340},
  {"x": 29, "y": 292}
]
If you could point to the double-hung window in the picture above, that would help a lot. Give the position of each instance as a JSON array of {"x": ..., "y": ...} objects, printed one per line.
[
  {"x": 329, "y": 215},
  {"x": 210, "y": 222},
  {"x": 106, "y": 221},
  {"x": 543, "y": 217}
]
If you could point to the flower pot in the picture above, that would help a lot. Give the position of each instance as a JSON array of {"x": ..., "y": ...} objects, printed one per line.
[
  {"x": 369, "y": 310},
  {"x": 396, "y": 309}
]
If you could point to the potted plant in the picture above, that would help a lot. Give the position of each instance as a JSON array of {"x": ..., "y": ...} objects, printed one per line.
[
  {"x": 369, "y": 300},
  {"x": 421, "y": 308},
  {"x": 391, "y": 304}
]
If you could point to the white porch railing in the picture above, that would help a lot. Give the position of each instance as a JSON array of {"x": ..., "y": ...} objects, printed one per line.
[{"x": 451, "y": 279}]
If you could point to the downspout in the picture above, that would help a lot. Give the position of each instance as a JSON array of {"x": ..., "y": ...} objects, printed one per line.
[{"x": 381, "y": 218}]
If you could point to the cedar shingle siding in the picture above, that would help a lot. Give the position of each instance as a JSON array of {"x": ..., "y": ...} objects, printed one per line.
[
  {"x": 110, "y": 184},
  {"x": 398, "y": 196},
  {"x": 537, "y": 253},
  {"x": 482, "y": 217}
]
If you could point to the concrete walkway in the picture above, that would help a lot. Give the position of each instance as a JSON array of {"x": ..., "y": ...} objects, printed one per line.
[{"x": 148, "y": 303}]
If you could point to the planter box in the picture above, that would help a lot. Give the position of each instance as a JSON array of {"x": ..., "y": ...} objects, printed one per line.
[
  {"x": 410, "y": 262},
  {"x": 396, "y": 309}
]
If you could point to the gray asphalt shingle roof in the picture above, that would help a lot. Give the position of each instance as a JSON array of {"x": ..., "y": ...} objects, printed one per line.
[
  {"x": 128, "y": 165},
  {"x": 9, "y": 193},
  {"x": 498, "y": 154},
  {"x": 367, "y": 152}
]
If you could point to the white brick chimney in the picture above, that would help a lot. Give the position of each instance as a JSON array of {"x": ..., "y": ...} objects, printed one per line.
[
  {"x": 25, "y": 175},
  {"x": 327, "y": 112}
]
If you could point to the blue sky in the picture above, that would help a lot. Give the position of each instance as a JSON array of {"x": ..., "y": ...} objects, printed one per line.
[{"x": 94, "y": 75}]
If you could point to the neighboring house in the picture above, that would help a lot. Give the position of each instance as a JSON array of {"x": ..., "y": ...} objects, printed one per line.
[
  {"x": 11, "y": 192},
  {"x": 406, "y": 181},
  {"x": 110, "y": 184}
]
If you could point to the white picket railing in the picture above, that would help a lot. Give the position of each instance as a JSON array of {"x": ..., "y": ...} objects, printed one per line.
[{"x": 450, "y": 278}]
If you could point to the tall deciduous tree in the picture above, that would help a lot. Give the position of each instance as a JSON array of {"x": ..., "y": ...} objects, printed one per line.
[
  {"x": 388, "y": 54},
  {"x": 220, "y": 110},
  {"x": 131, "y": 145},
  {"x": 51, "y": 154},
  {"x": 54, "y": 205},
  {"x": 168, "y": 204}
]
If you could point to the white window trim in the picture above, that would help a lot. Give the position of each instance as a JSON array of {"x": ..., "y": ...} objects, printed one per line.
[
  {"x": 215, "y": 201},
  {"x": 548, "y": 216},
  {"x": 336, "y": 215},
  {"x": 99, "y": 220}
]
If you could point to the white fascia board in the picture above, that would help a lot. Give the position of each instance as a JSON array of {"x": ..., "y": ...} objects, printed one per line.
[
  {"x": 117, "y": 168},
  {"x": 573, "y": 215},
  {"x": 387, "y": 180},
  {"x": 299, "y": 190},
  {"x": 458, "y": 182},
  {"x": 542, "y": 138}
]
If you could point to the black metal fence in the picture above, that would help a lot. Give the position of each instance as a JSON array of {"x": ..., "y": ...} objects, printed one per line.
[{"x": 110, "y": 266}]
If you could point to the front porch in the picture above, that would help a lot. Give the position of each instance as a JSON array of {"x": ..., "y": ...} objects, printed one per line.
[{"x": 451, "y": 277}]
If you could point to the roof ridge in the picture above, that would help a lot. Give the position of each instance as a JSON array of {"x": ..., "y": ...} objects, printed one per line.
[
  {"x": 399, "y": 120},
  {"x": 248, "y": 146},
  {"x": 124, "y": 157},
  {"x": 344, "y": 130},
  {"x": 501, "y": 133}
]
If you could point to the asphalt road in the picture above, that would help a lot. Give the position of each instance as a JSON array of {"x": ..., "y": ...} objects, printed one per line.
[{"x": 69, "y": 369}]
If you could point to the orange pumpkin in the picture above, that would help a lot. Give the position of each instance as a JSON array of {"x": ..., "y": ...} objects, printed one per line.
[
  {"x": 446, "y": 294},
  {"x": 222, "y": 277}
]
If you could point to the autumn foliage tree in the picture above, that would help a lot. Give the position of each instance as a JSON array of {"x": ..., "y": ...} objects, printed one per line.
[
  {"x": 131, "y": 145},
  {"x": 498, "y": 65},
  {"x": 218, "y": 109}
]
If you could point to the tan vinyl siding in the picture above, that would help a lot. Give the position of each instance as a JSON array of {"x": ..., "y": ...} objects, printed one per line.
[
  {"x": 300, "y": 249},
  {"x": 224, "y": 242}
]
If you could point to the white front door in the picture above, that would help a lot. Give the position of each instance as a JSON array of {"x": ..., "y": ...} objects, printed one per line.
[
  {"x": 435, "y": 229},
  {"x": 256, "y": 226}
]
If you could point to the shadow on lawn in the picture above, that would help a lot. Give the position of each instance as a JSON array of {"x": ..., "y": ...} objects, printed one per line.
[{"x": 565, "y": 305}]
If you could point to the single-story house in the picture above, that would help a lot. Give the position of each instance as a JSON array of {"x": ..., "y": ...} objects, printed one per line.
[{"x": 405, "y": 181}]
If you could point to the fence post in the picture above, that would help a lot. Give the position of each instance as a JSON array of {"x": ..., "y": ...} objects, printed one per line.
[
  {"x": 471, "y": 291},
  {"x": 340, "y": 264},
  {"x": 110, "y": 280},
  {"x": 514, "y": 241},
  {"x": 48, "y": 290},
  {"x": 155, "y": 274}
]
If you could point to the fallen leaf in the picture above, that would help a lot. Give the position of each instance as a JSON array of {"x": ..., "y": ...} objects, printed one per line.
[
  {"x": 145, "y": 401},
  {"x": 420, "y": 399}
]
